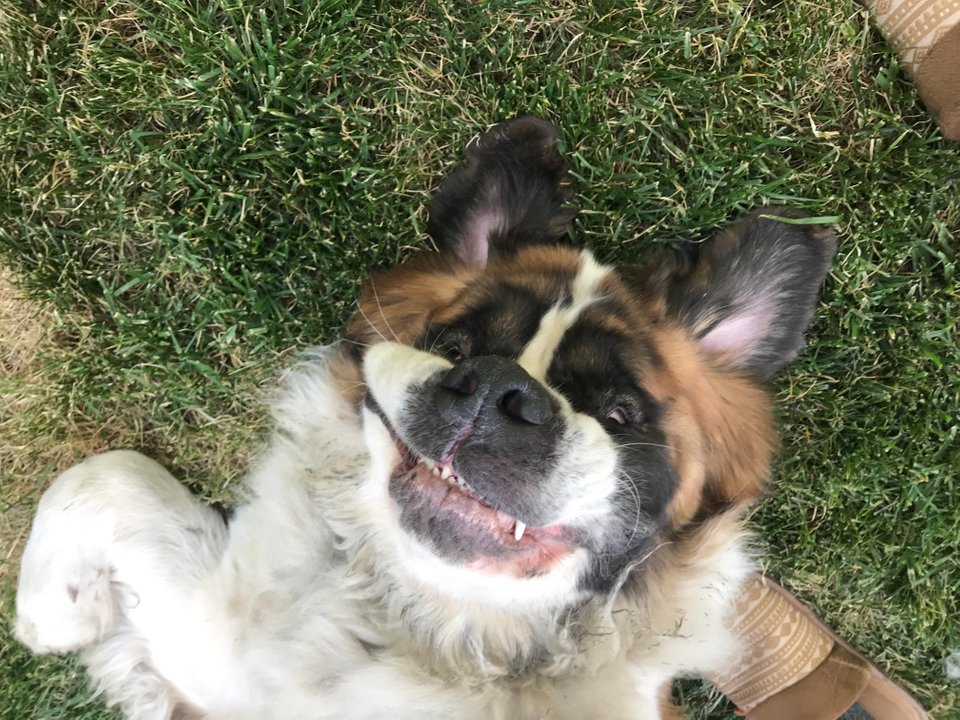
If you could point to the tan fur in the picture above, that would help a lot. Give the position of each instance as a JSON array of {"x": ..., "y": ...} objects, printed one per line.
[
  {"x": 398, "y": 305},
  {"x": 720, "y": 427},
  {"x": 346, "y": 377}
]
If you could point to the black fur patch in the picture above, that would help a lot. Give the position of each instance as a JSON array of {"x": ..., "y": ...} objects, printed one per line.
[
  {"x": 591, "y": 371},
  {"x": 501, "y": 324}
]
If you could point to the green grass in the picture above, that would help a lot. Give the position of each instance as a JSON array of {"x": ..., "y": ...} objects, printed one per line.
[{"x": 192, "y": 190}]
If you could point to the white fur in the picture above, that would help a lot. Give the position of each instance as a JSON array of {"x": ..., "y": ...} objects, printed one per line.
[
  {"x": 315, "y": 606},
  {"x": 538, "y": 354}
]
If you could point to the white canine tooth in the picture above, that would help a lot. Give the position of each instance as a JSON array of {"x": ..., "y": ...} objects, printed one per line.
[
  {"x": 446, "y": 472},
  {"x": 435, "y": 470},
  {"x": 518, "y": 531},
  {"x": 428, "y": 462}
]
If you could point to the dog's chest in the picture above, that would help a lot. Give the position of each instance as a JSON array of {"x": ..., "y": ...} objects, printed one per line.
[
  {"x": 337, "y": 663},
  {"x": 392, "y": 685}
]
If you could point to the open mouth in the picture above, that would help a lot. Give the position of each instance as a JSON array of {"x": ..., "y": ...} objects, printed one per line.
[{"x": 440, "y": 507}]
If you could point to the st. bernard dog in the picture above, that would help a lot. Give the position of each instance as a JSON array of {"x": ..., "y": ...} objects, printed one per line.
[{"x": 514, "y": 490}]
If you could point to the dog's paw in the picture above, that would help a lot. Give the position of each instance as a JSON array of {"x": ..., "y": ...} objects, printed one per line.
[
  {"x": 64, "y": 595},
  {"x": 60, "y": 609}
]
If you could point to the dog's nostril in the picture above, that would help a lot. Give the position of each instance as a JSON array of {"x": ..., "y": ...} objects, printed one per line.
[
  {"x": 533, "y": 408},
  {"x": 461, "y": 379},
  {"x": 491, "y": 383}
]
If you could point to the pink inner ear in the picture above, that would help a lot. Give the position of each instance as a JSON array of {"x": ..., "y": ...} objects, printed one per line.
[
  {"x": 738, "y": 336},
  {"x": 474, "y": 247}
]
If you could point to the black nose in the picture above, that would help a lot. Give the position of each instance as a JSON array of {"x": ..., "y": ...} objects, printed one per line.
[{"x": 481, "y": 384}]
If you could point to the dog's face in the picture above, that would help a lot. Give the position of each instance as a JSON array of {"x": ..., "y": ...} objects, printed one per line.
[{"x": 539, "y": 422}]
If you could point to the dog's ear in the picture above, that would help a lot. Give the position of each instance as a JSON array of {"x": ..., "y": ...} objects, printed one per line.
[
  {"x": 748, "y": 294},
  {"x": 512, "y": 192}
]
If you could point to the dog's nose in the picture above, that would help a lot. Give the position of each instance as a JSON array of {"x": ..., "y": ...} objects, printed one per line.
[{"x": 489, "y": 382}]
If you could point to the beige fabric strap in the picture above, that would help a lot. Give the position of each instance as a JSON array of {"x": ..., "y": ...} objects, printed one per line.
[
  {"x": 780, "y": 646},
  {"x": 913, "y": 27}
]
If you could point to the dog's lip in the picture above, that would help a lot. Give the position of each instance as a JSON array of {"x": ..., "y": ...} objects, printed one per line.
[
  {"x": 458, "y": 492},
  {"x": 512, "y": 528}
]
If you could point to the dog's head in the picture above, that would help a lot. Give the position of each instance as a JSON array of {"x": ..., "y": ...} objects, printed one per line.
[{"x": 539, "y": 421}]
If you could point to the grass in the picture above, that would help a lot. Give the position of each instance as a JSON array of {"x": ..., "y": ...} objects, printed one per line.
[{"x": 191, "y": 191}]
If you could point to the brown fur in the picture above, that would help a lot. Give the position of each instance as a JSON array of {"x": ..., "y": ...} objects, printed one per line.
[
  {"x": 399, "y": 304},
  {"x": 719, "y": 424},
  {"x": 720, "y": 427}
]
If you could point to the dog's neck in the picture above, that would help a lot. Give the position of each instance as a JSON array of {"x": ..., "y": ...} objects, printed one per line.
[{"x": 474, "y": 641}]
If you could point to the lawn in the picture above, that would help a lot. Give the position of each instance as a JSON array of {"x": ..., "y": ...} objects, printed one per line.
[{"x": 191, "y": 191}]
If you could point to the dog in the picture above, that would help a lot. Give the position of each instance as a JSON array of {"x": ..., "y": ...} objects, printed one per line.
[{"x": 515, "y": 489}]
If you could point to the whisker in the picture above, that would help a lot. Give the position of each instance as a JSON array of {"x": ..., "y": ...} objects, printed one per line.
[
  {"x": 652, "y": 551},
  {"x": 433, "y": 345},
  {"x": 626, "y": 572},
  {"x": 645, "y": 444},
  {"x": 374, "y": 327},
  {"x": 635, "y": 494},
  {"x": 376, "y": 296}
]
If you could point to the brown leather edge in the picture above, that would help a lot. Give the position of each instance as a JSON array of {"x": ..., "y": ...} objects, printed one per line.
[
  {"x": 824, "y": 694},
  {"x": 938, "y": 82}
]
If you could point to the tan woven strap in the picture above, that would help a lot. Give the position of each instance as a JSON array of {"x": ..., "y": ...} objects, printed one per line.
[
  {"x": 780, "y": 646},
  {"x": 913, "y": 27}
]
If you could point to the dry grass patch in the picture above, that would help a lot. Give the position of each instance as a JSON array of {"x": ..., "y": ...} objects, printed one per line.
[
  {"x": 36, "y": 442},
  {"x": 41, "y": 436}
]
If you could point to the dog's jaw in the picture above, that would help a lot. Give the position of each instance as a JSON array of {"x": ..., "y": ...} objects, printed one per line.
[
  {"x": 460, "y": 524},
  {"x": 486, "y": 561},
  {"x": 410, "y": 560}
]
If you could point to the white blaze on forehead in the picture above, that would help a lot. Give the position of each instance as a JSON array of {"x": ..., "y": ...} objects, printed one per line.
[{"x": 538, "y": 354}]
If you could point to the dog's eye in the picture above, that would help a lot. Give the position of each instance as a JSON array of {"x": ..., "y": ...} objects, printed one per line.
[
  {"x": 449, "y": 343},
  {"x": 618, "y": 415},
  {"x": 625, "y": 414},
  {"x": 453, "y": 353},
  {"x": 452, "y": 348}
]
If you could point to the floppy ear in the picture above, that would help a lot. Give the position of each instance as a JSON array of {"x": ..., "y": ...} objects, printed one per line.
[
  {"x": 748, "y": 294},
  {"x": 512, "y": 192}
]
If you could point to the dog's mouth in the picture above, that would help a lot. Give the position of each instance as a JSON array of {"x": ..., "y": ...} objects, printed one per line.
[{"x": 438, "y": 506}]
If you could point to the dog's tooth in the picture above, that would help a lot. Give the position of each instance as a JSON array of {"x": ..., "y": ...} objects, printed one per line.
[
  {"x": 446, "y": 472},
  {"x": 428, "y": 462},
  {"x": 518, "y": 530},
  {"x": 435, "y": 470}
]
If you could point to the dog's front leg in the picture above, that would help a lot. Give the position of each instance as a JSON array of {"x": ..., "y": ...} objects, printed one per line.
[{"x": 116, "y": 540}]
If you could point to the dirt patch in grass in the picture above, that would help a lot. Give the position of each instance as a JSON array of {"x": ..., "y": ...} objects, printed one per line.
[
  {"x": 25, "y": 330},
  {"x": 22, "y": 328}
]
